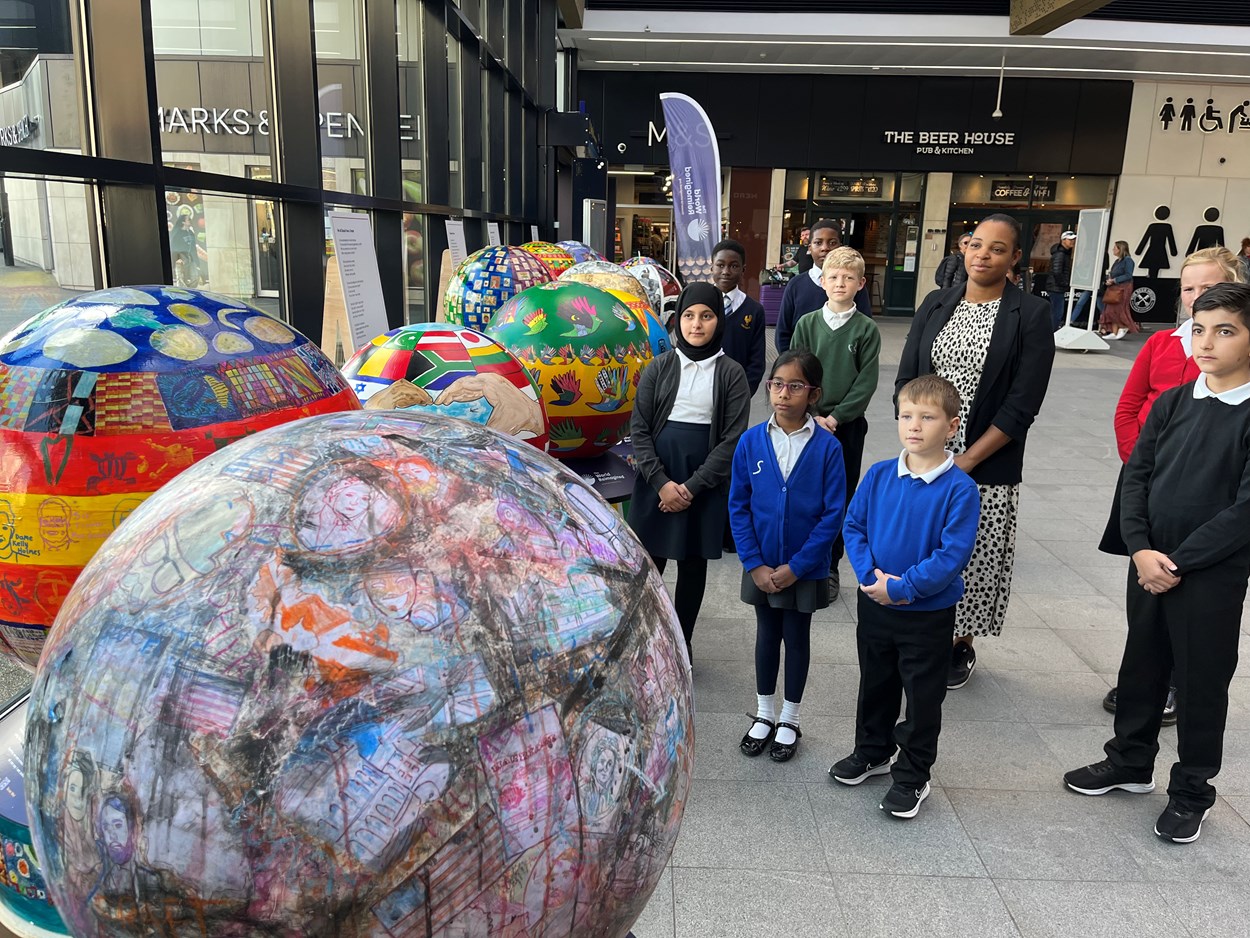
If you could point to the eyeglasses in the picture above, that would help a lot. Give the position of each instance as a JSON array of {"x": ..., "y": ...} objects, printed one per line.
[{"x": 794, "y": 387}]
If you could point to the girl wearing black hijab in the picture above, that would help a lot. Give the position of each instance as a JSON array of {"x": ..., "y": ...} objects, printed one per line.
[{"x": 691, "y": 407}]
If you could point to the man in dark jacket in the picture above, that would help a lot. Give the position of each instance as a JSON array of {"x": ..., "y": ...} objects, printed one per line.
[
  {"x": 951, "y": 270},
  {"x": 1060, "y": 276}
]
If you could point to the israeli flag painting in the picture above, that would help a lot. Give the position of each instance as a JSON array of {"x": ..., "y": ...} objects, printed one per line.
[{"x": 694, "y": 159}]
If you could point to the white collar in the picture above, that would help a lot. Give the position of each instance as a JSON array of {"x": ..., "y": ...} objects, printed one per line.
[
  {"x": 814, "y": 273},
  {"x": 1185, "y": 332},
  {"x": 1232, "y": 397},
  {"x": 809, "y": 426},
  {"x": 924, "y": 476},
  {"x": 842, "y": 316},
  {"x": 705, "y": 364},
  {"x": 736, "y": 296}
]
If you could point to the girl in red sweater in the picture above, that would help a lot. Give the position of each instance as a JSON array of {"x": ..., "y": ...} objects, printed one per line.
[{"x": 1164, "y": 362}]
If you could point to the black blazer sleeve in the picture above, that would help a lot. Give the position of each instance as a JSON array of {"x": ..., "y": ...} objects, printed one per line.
[
  {"x": 1023, "y": 401},
  {"x": 642, "y": 426},
  {"x": 759, "y": 348},
  {"x": 785, "y": 318},
  {"x": 916, "y": 359}
]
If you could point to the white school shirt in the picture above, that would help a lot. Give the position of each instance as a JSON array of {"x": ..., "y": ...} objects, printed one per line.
[
  {"x": 1232, "y": 397},
  {"x": 1185, "y": 333},
  {"x": 929, "y": 476},
  {"x": 789, "y": 446},
  {"x": 733, "y": 300},
  {"x": 836, "y": 321},
  {"x": 814, "y": 273},
  {"x": 694, "y": 390}
]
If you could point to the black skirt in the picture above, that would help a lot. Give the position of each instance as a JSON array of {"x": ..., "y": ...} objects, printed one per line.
[
  {"x": 802, "y": 595},
  {"x": 698, "y": 531},
  {"x": 1112, "y": 539}
]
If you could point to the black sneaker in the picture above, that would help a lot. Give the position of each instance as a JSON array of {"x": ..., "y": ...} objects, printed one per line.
[
  {"x": 1180, "y": 824},
  {"x": 1108, "y": 702},
  {"x": 1169, "y": 708},
  {"x": 903, "y": 800},
  {"x": 855, "y": 768},
  {"x": 1102, "y": 777},
  {"x": 963, "y": 660}
]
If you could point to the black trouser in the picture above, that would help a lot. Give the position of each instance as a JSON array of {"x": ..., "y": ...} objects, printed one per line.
[
  {"x": 851, "y": 435},
  {"x": 772, "y": 627},
  {"x": 688, "y": 596},
  {"x": 1190, "y": 632},
  {"x": 902, "y": 652}
]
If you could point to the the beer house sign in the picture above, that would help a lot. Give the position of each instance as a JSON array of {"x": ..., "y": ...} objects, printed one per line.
[{"x": 949, "y": 142}]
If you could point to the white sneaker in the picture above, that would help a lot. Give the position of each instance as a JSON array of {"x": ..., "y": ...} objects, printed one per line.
[
  {"x": 1121, "y": 334},
  {"x": 1113, "y": 336}
]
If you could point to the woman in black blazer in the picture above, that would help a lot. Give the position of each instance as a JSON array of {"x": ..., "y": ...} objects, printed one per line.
[{"x": 995, "y": 344}]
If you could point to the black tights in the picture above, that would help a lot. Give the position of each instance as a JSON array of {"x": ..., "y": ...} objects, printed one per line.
[
  {"x": 772, "y": 626},
  {"x": 688, "y": 597}
]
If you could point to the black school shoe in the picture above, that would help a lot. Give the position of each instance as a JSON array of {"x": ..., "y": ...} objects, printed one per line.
[
  {"x": 751, "y": 746},
  {"x": 963, "y": 661},
  {"x": 1169, "y": 708},
  {"x": 903, "y": 800},
  {"x": 1180, "y": 824},
  {"x": 1108, "y": 702},
  {"x": 855, "y": 768},
  {"x": 784, "y": 752},
  {"x": 1102, "y": 777}
]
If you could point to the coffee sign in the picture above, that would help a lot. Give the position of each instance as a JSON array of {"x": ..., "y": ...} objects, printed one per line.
[{"x": 1017, "y": 190}]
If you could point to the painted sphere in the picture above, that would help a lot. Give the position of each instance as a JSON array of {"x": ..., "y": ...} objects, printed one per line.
[
  {"x": 489, "y": 278},
  {"x": 657, "y": 335},
  {"x": 105, "y": 398},
  {"x": 606, "y": 276},
  {"x": 453, "y": 370},
  {"x": 373, "y": 674},
  {"x": 585, "y": 349},
  {"x": 638, "y": 266},
  {"x": 555, "y": 257},
  {"x": 580, "y": 251}
]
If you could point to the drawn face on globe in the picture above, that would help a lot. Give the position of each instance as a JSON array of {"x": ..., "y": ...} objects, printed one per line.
[
  {"x": 605, "y": 769},
  {"x": 75, "y": 795},
  {"x": 350, "y": 498},
  {"x": 392, "y": 592},
  {"x": 6, "y": 529},
  {"x": 115, "y": 832}
]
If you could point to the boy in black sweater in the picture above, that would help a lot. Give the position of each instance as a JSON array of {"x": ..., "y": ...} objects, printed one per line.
[
  {"x": 804, "y": 293},
  {"x": 1185, "y": 516},
  {"x": 743, "y": 339}
]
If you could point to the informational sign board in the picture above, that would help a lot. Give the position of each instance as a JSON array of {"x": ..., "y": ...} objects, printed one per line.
[
  {"x": 533, "y": 232},
  {"x": 1091, "y": 248},
  {"x": 492, "y": 233},
  {"x": 361, "y": 283},
  {"x": 455, "y": 241}
]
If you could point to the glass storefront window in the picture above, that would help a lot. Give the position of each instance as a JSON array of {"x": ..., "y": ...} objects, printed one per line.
[
  {"x": 414, "y": 268},
  {"x": 38, "y": 78},
  {"x": 47, "y": 245},
  {"x": 212, "y": 86},
  {"x": 228, "y": 244},
  {"x": 341, "y": 95},
  {"x": 454, "y": 124}
]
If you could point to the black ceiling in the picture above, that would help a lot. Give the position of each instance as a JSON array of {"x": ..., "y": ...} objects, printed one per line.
[{"x": 1215, "y": 13}]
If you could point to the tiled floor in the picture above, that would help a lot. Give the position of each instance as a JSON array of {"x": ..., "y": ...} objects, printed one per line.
[{"x": 999, "y": 849}]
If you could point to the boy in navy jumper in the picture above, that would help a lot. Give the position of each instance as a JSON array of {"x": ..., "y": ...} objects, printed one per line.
[
  {"x": 909, "y": 532},
  {"x": 804, "y": 292},
  {"x": 1185, "y": 516},
  {"x": 744, "y": 338}
]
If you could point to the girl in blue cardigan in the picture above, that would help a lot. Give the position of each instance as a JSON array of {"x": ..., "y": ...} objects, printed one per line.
[{"x": 787, "y": 496}]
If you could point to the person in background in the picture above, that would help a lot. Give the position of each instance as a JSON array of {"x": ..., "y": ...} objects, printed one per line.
[
  {"x": 1244, "y": 259},
  {"x": 1185, "y": 517},
  {"x": 744, "y": 339},
  {"x": 803, "y": 258},
  {"x": 1165, "y": 361},
  {"x": 910, "y": 530},
  {"x": 1060, "y": 277},
  {"x": 804, "y": 292},
  {"x": 691, "y": 407},
  {"x": 786, "y": 503},
  {"x": 995, "y": 344},
  {"x": 951, "y": 270},
  {"x": 848, "y": 345},
  {"x": 1115, "y": 319}
]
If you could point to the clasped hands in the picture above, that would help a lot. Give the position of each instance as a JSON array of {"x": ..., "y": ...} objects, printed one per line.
[
  {"x": 674, "y": 497},
  {"x": 773, "y": 579},
  {"x": 877, "y": 591},
  {"x": 1155, "y": 571}
]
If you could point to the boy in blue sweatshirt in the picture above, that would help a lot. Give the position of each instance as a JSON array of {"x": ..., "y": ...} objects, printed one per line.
[{"x": 909, "y": 533}]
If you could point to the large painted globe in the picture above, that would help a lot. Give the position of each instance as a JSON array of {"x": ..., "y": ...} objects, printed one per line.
[
  {"x": 487, "y": 279},
  {"x": 580, "y": 251},
  {"x": 555, "y": 257},
  {"x": 105, "y": 398},
  {"x": 586, "y": 350},
  {"x": 657, "y": 335},
  {"x": 453, "y": 370},
  {"x": 370, "y": 674}
]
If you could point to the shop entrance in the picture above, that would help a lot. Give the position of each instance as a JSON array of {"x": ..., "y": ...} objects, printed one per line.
[
  {"x": 1039, "y": 230},
  {"x": 264, "y": 225}
]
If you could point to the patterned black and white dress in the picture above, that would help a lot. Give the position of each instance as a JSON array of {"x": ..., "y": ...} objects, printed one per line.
[{"x": 959, "y": 357}]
